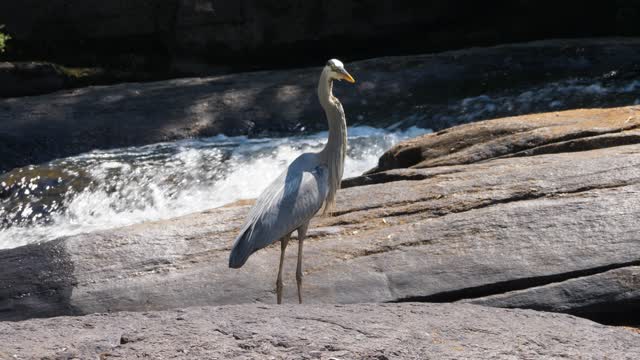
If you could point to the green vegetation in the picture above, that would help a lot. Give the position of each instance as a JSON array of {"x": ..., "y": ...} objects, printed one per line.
[
  {"x": 77, "y": 72},
  {"x": 81, "y": 76},
  {"x": 3, "y": 39}
]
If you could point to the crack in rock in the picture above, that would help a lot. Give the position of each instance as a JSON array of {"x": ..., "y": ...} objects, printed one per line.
[{"x": 511, "y": 285}]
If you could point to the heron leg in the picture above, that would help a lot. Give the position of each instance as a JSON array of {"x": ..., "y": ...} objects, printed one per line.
[
  {"x": 302, "y": 232},
  {"x": 283, "y": 246}
]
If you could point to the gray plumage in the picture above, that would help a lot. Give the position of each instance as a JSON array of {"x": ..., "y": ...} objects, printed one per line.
[
  {"x": 289, "y": 202},
  {"x": 311, "y": 180}
]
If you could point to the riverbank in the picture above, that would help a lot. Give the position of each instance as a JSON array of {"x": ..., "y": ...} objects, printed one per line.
[
  {"x": 194, "y": 38},
  {"x": 431, "y": 91},
  {"x": 533, "y": 212},
  {"x": 538, "y": 211}
]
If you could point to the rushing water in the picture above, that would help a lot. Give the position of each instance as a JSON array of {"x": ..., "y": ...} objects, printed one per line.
[
  {"x": 611, "y": 89},
  {"x": 106, "y": 189}
]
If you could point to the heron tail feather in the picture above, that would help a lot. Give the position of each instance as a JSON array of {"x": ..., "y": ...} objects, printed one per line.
[{"x": 241, "y": 249}]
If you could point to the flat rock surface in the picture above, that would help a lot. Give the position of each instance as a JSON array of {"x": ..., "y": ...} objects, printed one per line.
[
  {"x": 364, "y": 331},
  {"x": 443, "y": 233}
]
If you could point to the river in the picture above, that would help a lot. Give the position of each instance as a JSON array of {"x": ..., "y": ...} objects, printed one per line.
[{"x": 105, "y": 189}]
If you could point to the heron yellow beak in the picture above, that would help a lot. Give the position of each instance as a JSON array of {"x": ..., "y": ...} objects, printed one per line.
[{"x": 347, "y": 77}]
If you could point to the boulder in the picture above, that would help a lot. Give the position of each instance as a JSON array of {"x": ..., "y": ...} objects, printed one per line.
[
  {"x": 425, "y": 90},
  {"x": 364, "y": 331},
  {"x": 555, "y": 132},
  {"x": 444, "y": 233}
]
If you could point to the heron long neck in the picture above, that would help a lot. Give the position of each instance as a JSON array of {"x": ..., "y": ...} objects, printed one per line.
[{"x": 334, "y": 152}]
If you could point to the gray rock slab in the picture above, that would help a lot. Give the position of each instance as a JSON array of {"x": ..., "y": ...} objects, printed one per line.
[
  {"x": 475, "y": 230},
  {"x": 363, "y": 331}
]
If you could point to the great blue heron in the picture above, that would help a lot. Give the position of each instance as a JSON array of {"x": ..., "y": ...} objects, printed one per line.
[{"x": 310, "y": 181}]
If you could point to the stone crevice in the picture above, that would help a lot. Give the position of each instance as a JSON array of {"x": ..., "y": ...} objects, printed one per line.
[
  {"x": 511, "y": 285},
  {"x": 599, "y": 141}
]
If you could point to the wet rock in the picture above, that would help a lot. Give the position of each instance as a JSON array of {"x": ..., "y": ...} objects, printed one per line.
[
  {"x": 365, "y": 331},
  {"x": 431, "y": 91},
  {"x": 494, "y": 224},
  {"x": 32, "y": 195}
]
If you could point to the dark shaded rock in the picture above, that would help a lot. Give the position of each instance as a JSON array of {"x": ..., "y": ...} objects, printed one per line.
[
  {"x": 365, "y": 331},
  {"x": 612, "y": 296},
  {"x": 21, "y": 79},
  {"x": 154, "y": 34},
  {"x": 36, "y": 78},
  {"x": 414, "y": 90},
  {"x": 444, "y": 233},
  {"x": 39, "y": 283},
  {"x": 393, "y": 175}
]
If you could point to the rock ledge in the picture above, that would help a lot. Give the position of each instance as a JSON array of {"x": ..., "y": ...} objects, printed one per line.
[{"x": 365, "y": 331}]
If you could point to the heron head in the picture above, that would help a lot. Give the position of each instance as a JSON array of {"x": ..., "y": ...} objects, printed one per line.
[{"x": 337, "y": 71}]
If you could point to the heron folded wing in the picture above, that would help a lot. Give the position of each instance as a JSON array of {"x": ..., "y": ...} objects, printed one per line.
[{"x": 289, "y": 201}]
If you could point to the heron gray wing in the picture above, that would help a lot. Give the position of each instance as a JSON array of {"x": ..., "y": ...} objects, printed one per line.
[{"x": 287, "y": 203}]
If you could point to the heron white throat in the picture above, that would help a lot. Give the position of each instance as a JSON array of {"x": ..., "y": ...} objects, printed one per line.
[{"x": 308, "y": 183}]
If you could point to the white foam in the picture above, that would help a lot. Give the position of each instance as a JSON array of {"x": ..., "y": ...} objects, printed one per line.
[
  {"x": 555, "y": 95},
  {"x": 160, "y": 181}
]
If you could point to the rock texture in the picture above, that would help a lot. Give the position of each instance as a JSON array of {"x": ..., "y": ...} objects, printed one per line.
[
  {"x": 590, "y": 295},
  {"x": 366, "y": 331},
  {"x": 538, "y": 134},
  {"x": 481, "y": 219},
  {"x": 414, "y": 89}
]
